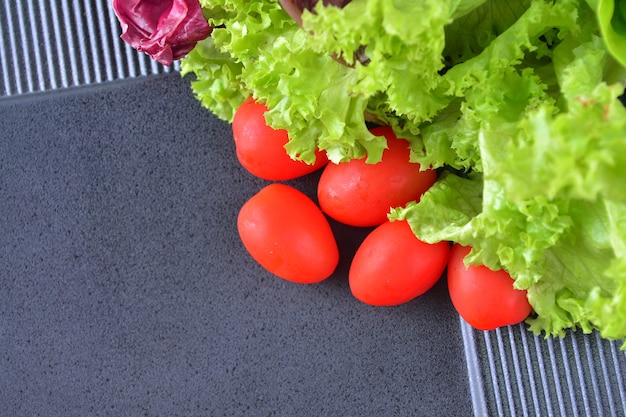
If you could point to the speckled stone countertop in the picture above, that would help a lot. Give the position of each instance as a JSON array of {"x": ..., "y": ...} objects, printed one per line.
[{"x": 126, "y": 291}]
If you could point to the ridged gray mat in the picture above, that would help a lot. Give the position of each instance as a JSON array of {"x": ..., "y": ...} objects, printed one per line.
[{"x": 47, "y": 45}]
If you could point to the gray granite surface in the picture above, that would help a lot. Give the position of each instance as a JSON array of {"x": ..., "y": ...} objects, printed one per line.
[{"x": 125, "y": 291}]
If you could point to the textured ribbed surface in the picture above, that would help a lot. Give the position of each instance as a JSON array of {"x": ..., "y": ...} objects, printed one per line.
[
  {"x": 518, "y": 374},
  {"x": 46, "y": 45}
]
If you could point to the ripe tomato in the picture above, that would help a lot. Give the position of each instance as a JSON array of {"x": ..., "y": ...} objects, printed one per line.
[
  {"x": 484, "y": 298},
  {"x": 360, "y": 194},
  {"x": 288, "y": 235},
  {"x": 261, "y": 149},
  {"x": 392, "y": 266}
]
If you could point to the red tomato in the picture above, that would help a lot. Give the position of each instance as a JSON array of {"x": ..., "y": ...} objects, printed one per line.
[
  {"x": 484, "y": 298},
  {"x": 261, "y": 149},
  {"x": 288, "y": 235},
  {"x": 360, "y": 194},
  {"x": 392, "y": 266}
]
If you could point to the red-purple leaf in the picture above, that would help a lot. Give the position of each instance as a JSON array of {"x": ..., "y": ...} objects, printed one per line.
[{"x": 164, "y": 29}]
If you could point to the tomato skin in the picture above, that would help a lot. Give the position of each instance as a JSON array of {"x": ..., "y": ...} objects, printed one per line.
[
  {"x": 260, "y": 148},
  {"x": 287, "y": 234},
  {"x": 484, "y": 298},
  {"x": 392, "y": 266},
  {"x": 360, "y": 194}
]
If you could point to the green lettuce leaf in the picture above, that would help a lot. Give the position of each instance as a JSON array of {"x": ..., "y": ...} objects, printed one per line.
[
  {"x": 265, "y": 54},
  {"x": 567, "y": 254},
  {"x": 469, "y": 35},
  {"x": 576, "y": 153},
  {"x": 577, "y": 275},
  {"x": 403, "y": 42},
  {"x": 217, "y": 84},
  {"x": 312, "y": 104},
  {"x": 515, "y": 102},
  {"x": 606, "y": 307},
  {"x": 545, "y": 142},
  {"x": 474, "y": 212},
  {"x": 611, "y": 15}
]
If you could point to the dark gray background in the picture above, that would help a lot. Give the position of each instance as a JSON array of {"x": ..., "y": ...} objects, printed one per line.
[{"x": 125, "y": 289}]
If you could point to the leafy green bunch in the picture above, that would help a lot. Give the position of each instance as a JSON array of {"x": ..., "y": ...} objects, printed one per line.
[{"x": 517, "y": 103}]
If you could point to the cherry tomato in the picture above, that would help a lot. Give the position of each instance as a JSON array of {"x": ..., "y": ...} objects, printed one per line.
[
  {"x": 392, "y": 266},
  {"x": 484, "y": 298},
  {"x": 287, "y": 233},
  {"x": 261, "y": 149},
  {"x": 360, "y": 194}
]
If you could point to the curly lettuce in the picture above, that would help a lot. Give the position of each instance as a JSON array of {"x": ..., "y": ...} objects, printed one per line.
[
  {"x": 271, "y": 60},
  {"x": 517, "y": 103},
  {"x": 611, "y": 16},
  {"x": 548, "y": 190}
]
